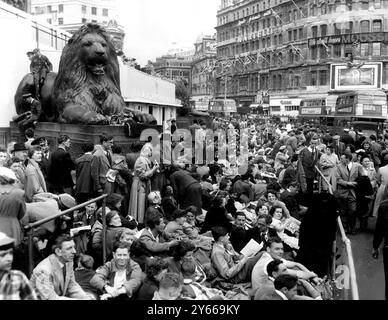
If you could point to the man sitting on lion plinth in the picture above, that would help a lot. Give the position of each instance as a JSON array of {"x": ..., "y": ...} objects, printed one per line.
[{"x": 40, "y": 66}]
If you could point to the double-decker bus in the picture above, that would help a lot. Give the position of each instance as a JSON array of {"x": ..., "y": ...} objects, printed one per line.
[
  {"x": 363, "y": 110},
  {"x": 222, "y": 107}
]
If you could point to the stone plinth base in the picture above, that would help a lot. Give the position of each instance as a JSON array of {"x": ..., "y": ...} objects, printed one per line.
[{"x": 78, "y": 134}]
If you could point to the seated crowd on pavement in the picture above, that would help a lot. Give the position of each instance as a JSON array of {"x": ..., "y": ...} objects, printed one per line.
[{"x": 177, "y": 230}]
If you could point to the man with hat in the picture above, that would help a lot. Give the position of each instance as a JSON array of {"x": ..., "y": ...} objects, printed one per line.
[
  {"x": 339, "y": 147},
  {"x": 20, "y": 152},
  {"x": 45, "y": 164},
  {"x": 40, "y": 66},
  {"x": 346, "y": 137}
]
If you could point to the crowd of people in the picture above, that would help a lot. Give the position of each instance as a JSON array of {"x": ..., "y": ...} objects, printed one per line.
[{"x": 257, "y": 225}]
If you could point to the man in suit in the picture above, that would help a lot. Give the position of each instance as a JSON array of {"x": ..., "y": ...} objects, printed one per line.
[
  {"x": 375, "y": 151},
  {"x": 339, "y": 147},
  {"x": 83, "y": 168},
  {"x": 62, "y": 164},
  {"x": 308, "y": 159},
  {"x": 45, "y": 164},
  {"x": 274, "y": 269},
  {"x": 346, "y": 175},
  {"x": 238, "y": 233},
  {"x": 53, "y": 278},
  {"x": 261, "y": 232},
  {"x": 101, "y": 163}
]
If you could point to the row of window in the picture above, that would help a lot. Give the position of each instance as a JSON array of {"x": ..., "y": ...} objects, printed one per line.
[
  {"x": 338, "y": 28},
  {"x": 49, "y": 9},
  {"x": 95, "y": 10},
  {"x": 247, "y": 11},
  {"x": 280, "y": 81},
  {"x": 294, "y": 14},
  {"x": 347, "y": 27},
  {"x": 320, "y": 52}
]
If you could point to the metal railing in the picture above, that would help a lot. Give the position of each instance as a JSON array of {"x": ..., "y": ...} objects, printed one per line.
[
  {"x": 347, "y": 254},
  {"x": 44, "y": 33},
  {"x": 30, "y": 228}
]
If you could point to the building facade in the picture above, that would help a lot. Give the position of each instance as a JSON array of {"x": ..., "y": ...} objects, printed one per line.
[
  {"x": 287, "y": 49},
  {"x": 202, "y": 71},
  {"x": 174, "y": 67},
  {"x": 24, "y": 5},
  {"x": 70, "y": 15}
]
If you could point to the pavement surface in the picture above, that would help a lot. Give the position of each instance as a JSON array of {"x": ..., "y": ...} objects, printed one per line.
[{"x": 369, "y": 272}]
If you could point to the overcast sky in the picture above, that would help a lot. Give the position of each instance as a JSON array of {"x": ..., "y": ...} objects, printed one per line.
[{"x": 153, "y": 27}]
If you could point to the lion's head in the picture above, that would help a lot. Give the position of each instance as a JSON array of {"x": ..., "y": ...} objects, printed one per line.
[{"x": 88, "y": 75}]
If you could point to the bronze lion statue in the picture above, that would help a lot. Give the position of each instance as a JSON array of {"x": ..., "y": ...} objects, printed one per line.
[{"x": 87, "y": 87}]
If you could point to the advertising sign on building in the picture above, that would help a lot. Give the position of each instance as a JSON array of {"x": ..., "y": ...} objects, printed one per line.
[
  {"x": 367, "y": 76},
  {"x": 349, "y": 38}
]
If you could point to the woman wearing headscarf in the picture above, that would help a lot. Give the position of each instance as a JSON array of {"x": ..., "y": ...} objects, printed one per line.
[
  {"x": 12, "y": 205},
  {"x": 141, "y": 185}
]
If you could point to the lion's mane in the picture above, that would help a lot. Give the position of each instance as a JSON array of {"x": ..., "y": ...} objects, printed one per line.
[{"x": 78, "y": 90}]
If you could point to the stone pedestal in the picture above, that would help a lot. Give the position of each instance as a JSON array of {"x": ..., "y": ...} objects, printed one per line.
[{"x": 78, "y": 134}]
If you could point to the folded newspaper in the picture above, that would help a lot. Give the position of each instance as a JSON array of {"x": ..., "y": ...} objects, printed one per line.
[
  {"x": 75, "y": 231},
  {"x": 252, "y": 248}
]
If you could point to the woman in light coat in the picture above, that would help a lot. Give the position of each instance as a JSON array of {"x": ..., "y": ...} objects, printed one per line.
[
  {"x": 35, "y": 182},
  {"x": 12, "y": 205},
  {"x": 141, "y": 185},
  {"x": 328, "y": 162}
]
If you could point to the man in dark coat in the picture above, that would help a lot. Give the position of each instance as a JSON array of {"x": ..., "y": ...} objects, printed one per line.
[
  {"x": 317, "y": 233},
  {"x": 308, "y": 159},
  {"x": 186, "y": 188},
  {"x": 84, "y": 183},
  {"x": 100, "y": 165},
  {"x": 381, "y": 233},
  {"x": 62, "y": 164}
]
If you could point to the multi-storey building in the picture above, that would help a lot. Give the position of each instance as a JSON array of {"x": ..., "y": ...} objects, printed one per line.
[
  {"x": 202, "y": 71},
  {"x": 174, "y": 67},
  {"x": 24, "y": 5},
  {"x": 286, "y": 49},
  {"x": 70, "y": 15}
]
